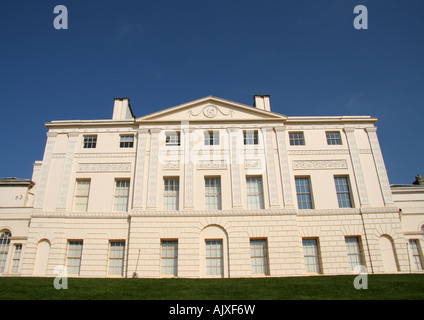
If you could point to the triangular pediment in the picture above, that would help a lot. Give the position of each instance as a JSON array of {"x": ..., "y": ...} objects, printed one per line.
[{"x": 211, "y": 109}]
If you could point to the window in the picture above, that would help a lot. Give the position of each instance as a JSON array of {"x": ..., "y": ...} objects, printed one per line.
[
  {"x": 82, "y": 192},
  {"x": 354, "y": 252},
  {"x": 16, "y": 258},
  {"x": 259, "y": 256},
  {"x": 126, "y": 141},
  {"x": 303, "y": 191},
  {"x": 122, "y": 191},
  {"x": 250, "y": 137},
  {"x": 255, "y": 199},
  {"x": 172, "y": 138},
  {"x": 343, "y": 192},
  {"x": 4, "y": 249},
  {"x": 171, "y": 193},
  {"x": 416, "y": 254},
  {"x": 214, "y": 257},
  {"x": 296, "y": 139},
  {"x": 116, "y": 257},
  {"x": 213, "y": 193},
  {"x": 74, "y": 256},
  {"x": 90, "y": 142},
  {"x": 169, "y": 257},
  {"x": 333, "y": 138},
  {"x": 211, "y": 138},
  {"x": 311, "y": 254}
]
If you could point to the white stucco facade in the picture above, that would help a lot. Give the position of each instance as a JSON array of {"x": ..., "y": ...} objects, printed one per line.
[{"x": 210, "y": 188}]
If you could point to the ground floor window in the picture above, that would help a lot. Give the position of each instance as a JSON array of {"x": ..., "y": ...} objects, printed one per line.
[
  {"x": 16, "y": 258},
  {"x": 311, "y": 255},
  {"x": 416, "y": 254},
  {"x": 214, "y": 257},
  {"x": 169, "y": 257},
  {"x": 354, "y": 252},
  {"x": 116, "y": 258},
  {"x": 74, "y": 256},
  {"x": 259, "y": 256}
]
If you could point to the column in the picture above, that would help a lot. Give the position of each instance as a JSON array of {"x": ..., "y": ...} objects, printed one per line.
[
  {"x": 357, "y": 167},
  {"x": 188, "y": 169},
  {"x": 67, "y": 168},
  {"x": 380, "y": 166},
  {"x": 284, "y": 166},
  {"x": 235, "y": 157},
  {"x": 142, "y": 135},
  {"x": 153, "y": 169},
  {"x": 42, "y": 183},
  {"x": 270, "y": 168}
]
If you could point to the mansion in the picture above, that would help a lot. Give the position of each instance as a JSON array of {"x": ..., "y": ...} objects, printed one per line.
[{"x": 207, "y": 189}]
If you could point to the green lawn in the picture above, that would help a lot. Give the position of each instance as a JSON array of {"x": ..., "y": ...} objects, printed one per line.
[{"x": 407, "y": 286}]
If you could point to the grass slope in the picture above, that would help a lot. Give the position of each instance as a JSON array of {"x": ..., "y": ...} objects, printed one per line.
[{"x": 406, "y": 286}]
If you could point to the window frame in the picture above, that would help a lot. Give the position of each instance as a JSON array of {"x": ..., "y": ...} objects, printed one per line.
[
  {"x": 215, "y": 205},
  {"x": 91, "y": 142},
  {"x": 297, "y": 138},
  {"x": 250, "y": 137},
  {"x": 126, "y": 144},
  {"x": 216, "y": 258},
  {"x": 169, "y": 269},
  {"x": 173, "y": 193},
  {"x": 117, "y": 258},
  {"x": 81, "y": 196},
  {"x": 264, "y": 257},
  {"x": 331, "y": 139},
  {"x": 316, "y": 256},
  {"x": 417, "y": 256},
  {"x": 310, "y": 193},
  {"x": 339, "y": 194},
  {"x": 257, "y": 195},
  {"x": 359, "y": 256},
  {"x": 211, "y": 138},
  {"x": 69, "y": 268},
  {"x": 173, "y": 138},
  {"x": 117, "y": 206}
]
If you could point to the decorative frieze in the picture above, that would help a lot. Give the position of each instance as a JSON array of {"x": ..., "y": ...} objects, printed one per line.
[
  {"x": 319, "y": 164},
  {"x": 211, "y": 165},
  {"x": 104, "y": 167},
  {"x": 171, "y": 165},
  {"x": 252, "y": 164}
]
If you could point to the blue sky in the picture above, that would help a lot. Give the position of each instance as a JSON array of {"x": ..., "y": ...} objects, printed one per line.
[{"x": 305, "y": 54}]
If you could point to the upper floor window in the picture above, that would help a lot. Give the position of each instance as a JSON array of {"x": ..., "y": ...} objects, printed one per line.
[
  {"x": 297, "y": 139},
  {"x": 250, "y": 137},
  {"x": 333, "y": 138},
  {"x": 213, "y": 193},
  {"x": 172, "y": 138},
  {"x": 126, "y": 141},
  {"x": 211, "y": 138},
  {"x": 90, "y": 142},
  {"x": 343, "y": 192},
  {"x": 255, "y": 199},
  {"x": 303, "y": 192},
  {"x": 171, "y": 193},
  {"x": 122, "y": 191},
  {"x": 82, "y": 191}
]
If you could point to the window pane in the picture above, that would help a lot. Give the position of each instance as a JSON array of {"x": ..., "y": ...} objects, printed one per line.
[
  {"x": 116, "y": 257},
  {"x": 343, "y": 192},
  {"x": 258, "y": 252},
  {"x": 303, "y": 191},
  {"x": 126, "y": 141},
  {"x": 171, "y": 194},
  {"x": 296, "y": 139},
  {"x": 169, "y": 257},
  {"x": 82, "y": 192},
  {"x": 214, "y": 261},
  {"x": 354, "y": 253},
  {"x": 122, "y": 191},
  {"x": 311, "y": 255},
  {"x": 213, "y": 193},
  {"x": 255, "y": 198},
  {"x": 333, "y": 138}
]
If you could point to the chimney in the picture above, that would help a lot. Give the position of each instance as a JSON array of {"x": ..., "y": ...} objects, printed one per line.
[
  {"x": 262, "y": 102},
  {"x": 122, "y": 109}
]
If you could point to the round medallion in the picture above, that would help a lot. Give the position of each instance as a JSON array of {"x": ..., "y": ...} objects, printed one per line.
[{"x": 210, "y": 111}]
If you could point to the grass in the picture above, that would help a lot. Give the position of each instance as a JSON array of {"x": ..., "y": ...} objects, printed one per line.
[{"x": 380, "y": 287}]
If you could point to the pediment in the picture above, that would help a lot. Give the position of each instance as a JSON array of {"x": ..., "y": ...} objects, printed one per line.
[{"x": 211, "y": 109}]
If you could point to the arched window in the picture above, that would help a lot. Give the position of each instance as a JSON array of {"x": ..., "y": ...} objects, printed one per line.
[{"x": 4, "y": 248}]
